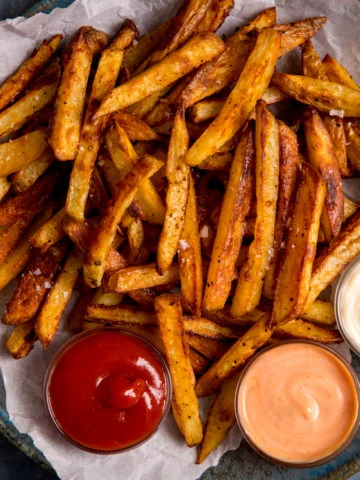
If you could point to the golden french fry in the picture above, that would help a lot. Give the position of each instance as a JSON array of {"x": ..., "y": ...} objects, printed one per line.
[
  {"x": 293, "y": 284},
  {"x": 220, "y": 161},
  {"x": 115, "y": 314},
  {"x": 322, "y": 94},
  {"x": 135, "y": 235},
  {"x": 50, "y": 233},
  {"x": 246, "y": 346},
  {"x": 337, "y": 73},
  {"x": 335, "y": 128},
  {"x": 169, "y": 315},
  {"x": 306, "y": 330},
  {"x": 34, "y": 285},
  {"x": 288, "y": 169},
  {"x": 230, "y": 229},
  {"x": 140, "y": 276},
  {"x": 198, "y": 362},
  {"x": 136, "y": 128},
  {"x": 48, "y": 319},
  {"x": 335, "y": 257},
  {"x": 215, "y": 15},
  {"x": 21, "y": 341},
  {"x": 320, "y": 312},
  {"x": 321, "y": 155},
  {"x": 70, "y": 98},
  {"x": 349, "y": 208},
  {"x": 252, "y": 274},
  {"x": 22, "y": 151},
  {"x": 5, "y": 186},
  {"x": 221, "y": 418},
  {"x": 294, "y": 34},
  {"x": 189, "y": 258},
  {"x": 210, "y": 348},
  {"x": 90, "y": 135},
  {"x": 352, "y": 144},
  {"x": 207, "y": 328},
  {"x": 251, "y": 85},
  {"x": 17, "y": 82},
  {"x": 178, "y": 174},
  {"x": 95, "y": 259},
  {"x": 78, "y": 312},
  {"x": 199, "y": 49},
  {"x": 29, "y": 174},
  {"x": 109, "y": 299}
]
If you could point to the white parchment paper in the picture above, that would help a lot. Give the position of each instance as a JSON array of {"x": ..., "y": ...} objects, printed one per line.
[{"x": 165, "y": 456}]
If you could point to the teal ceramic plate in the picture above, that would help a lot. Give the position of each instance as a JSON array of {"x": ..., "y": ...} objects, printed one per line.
[{"x": 242, "y": 463}]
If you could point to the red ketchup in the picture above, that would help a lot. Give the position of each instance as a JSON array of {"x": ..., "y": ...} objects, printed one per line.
[{"x": 108, "y": 390}]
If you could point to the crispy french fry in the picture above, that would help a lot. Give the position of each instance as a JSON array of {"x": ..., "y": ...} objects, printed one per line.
[
  {"x": 108, "y": 299},
  {"x": 21, "y": 341},
  {"x": 5, "y": 186},
  {"x": 178, "y": 174},
  {"x": 211, "y": 348},
  {"x": 220, "y": 161},
  {"x": 349, "y": 208},
  {"x": 252, "y": 273},
  {"x": 335, "y": 257},
  {"x": 190, "y": 261},
  {"x": 78, "y": 312},
  {"x": 337, "y": 73},
  {"x": 321, "y": 155},
  {"x": 22, "y": 151},
  {"x": 335, "y": 128},
  {"x": 251, "y": 85},
  {"x": 294, "y": 34},
  {"x": 136, "y": 129},
  {"x": 311, "y": 64},
  {"x": 352, "y": 145},
  {"x": 207, "y": 328},
  {"x": 215, "y": 15},
  {"x": 29, "y": 174},
  {"x": 293, "y": 284},
  {"x": 198, "y": 362},
  {"x": 69, "y": 102},
  {"x": 81, "y": 233},
  {"x": 15, "y": 116},
  {"x": 142, "y": 276},
  {"x": 199, "y": 49},
  {"x": 50, "y": 233},
  {"x": 48, "y": 319},
  {"x": 114, "y": 314},
  {"x": 230, "y": 229},
  {"x": 288, "y": 169},
  {"x": 169, "y": 315},
  {"x": 221, "y": 418},
  {"x": 135, "y": 236},
  {"x": 301, "y": 329},
  {"x": 90, "y": 136},
  {"x": 322, "y": 94},
  {"x": 235, "y": 357},
  {"x": 94, "y": 264},
  {"x": 17, "y": 82},
  {"x": 320, "y": 312},
  {"x": 18, "y": 258},
  {"x": 125, "y": 157},
  {"x": 34, "y": 285}
]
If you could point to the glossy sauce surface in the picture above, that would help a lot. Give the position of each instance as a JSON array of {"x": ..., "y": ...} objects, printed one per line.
[
  {"x": 108, "y": 391},
  {"x": 297, "y": 403},
  {"x": 350, "y": 307}
]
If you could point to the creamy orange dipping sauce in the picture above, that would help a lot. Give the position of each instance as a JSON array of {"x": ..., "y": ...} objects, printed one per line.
[{"x": 297, "y": 403}]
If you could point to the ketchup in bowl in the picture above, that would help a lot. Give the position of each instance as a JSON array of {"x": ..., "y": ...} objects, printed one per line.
[{"x": 107, "y": 391}]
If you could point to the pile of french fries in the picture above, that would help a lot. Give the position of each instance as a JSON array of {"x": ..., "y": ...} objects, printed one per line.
[{"x": 151, "y": 176}]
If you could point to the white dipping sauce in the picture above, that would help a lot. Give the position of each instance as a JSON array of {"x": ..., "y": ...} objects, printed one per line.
[{"x": 348, "y": 307}]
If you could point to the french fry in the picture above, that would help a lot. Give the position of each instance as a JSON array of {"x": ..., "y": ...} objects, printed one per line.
[
  {"x": 142, "y": 276},
  {"x": 320, "y": 312},
  {"x": 189, "y": 258},
  {"x": 48, "y": 319},
  {"x": 293, "y": 284},
  {"x": 252, "y": 273},
  {"x": 352, "y": 145},
  {"x": 230, "y": 229},
  {"x": 335, "y": 128},
  {"x": 41, "y": 95},
  {"x": 206, "y": 328},
  {"x": 215, "y": 15},
  {"x": 294, "y": 34},
  {"x": 169, "y": 315},
  {"x": 135, "y": 236},
  {"x": 50, "y": 233},
  {"x": 251, "y": 85},
  {"x": 21, "y": 341},
  {"x": 95, "y": 259},
  {"x": 125, "y": 157},
  {"x": 322, "y": 94},
  {"x": 90, "y": 135},
  {"x": 70, "y": 98},
  {"x": 107, "y": 298},
  {"x": 19, "y": 80},
  {"x": 81, "y": 233},
  {"x": 29, "y": 174},
  {"x": 5, "y": 186},
  {"x": 117, "y": 314},
  {"x": 199, "y": 49},
  {"x": 337, "y": 73},
  {"x": 321, "y": 156},
  {"x": 311, "y": 64},
  {"x": 18, "y": 258},
  {"x": 288, "y": 169},
  {"x": 221, "y": 418},
  {"x": 136, "y": 129},
  {"x": 309, "y": 331},
  {"x": 34, "y": 285},
  {"x": 335, "y": 257},
  {"x": 143, "y": 296},
  {"x": 178, "y": 174},
  {"x": 22, "y": 151},
  {"x": 349, "y": 208},
  {"x": 78, "y": 312},
  {"x": 235, "y": 357},
  {"x": 220, "y": 161},
  {"x": 211, "y": 348},
  {"x": 198, "y": 362}
]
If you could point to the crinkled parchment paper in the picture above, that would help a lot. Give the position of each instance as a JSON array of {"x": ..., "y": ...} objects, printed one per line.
[{"x": 165, "y": 456}]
